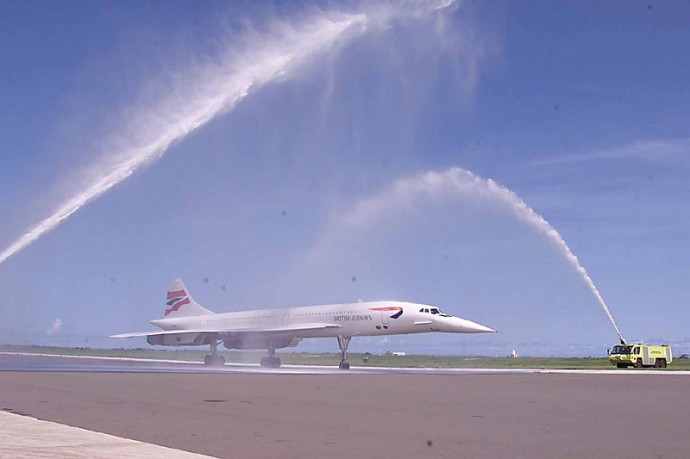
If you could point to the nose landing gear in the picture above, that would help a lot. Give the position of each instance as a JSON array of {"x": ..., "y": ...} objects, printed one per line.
[{"x": 343, "y": 343}]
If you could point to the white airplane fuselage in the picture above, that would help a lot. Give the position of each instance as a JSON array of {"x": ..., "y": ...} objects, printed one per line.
[
  {"x": 187, "y": 323},
  {"x": 370, "y": 318}
]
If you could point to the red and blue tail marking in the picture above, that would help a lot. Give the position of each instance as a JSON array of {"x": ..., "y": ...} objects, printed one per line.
[{"x": 176, "y": 300}]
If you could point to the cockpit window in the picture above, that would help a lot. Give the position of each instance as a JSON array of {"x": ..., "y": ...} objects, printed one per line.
[{"x": 436, "y": 311}]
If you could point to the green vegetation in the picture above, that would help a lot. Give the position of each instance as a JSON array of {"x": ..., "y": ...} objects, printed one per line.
[{"x": 357, "y": 360}]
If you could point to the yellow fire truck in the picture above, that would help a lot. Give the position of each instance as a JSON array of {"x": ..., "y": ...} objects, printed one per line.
[{"x": 640, "y": 355}]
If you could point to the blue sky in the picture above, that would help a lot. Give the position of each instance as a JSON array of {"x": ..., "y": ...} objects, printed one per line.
[{"x": 579, "y": 108}]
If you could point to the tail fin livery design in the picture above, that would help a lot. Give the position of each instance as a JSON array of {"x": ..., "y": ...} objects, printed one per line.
[{"x": 179, "y": 303}]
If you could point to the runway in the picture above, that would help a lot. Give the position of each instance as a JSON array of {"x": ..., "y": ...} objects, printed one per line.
[
  {"x": 14, "y": 361},
  {"x": 294, "y": 413},
  {"x": 54, "y": 363}
]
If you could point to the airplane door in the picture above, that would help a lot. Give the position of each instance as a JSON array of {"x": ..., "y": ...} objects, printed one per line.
[
  {"x": 286, "y": 319},
  {"x": 385, "y": 317}
]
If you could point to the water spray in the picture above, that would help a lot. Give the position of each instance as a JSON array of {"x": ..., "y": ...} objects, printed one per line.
[
  {"x": 215, "y": 90},
  {"x": 457, "y": 183},
  {"x": 525, "y": 213}
]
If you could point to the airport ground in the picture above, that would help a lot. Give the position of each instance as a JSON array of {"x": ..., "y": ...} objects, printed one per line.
[
  {"x": 297, "y": 412},
  {"x": 360, "y": 360}
]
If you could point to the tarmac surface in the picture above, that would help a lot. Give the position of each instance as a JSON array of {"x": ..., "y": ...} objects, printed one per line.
[
  {"x": 10, "y": 361},
  {"x": 27, "y": 437},
  {"x": 295, "y": 413}
]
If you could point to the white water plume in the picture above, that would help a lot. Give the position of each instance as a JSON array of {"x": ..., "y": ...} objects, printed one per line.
[
  {"x": 213, "y": 90},
  {"x": 196, "y": 98},
  {"x": 455, "y": 184}
]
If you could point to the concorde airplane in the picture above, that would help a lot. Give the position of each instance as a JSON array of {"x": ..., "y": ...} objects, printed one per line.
[{"x": 186, "y": 323}]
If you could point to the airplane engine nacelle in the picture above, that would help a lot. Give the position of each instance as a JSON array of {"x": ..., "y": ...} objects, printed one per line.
[
  {"x": 260, "y": 343},
  {"x": 179, "y": 339}
]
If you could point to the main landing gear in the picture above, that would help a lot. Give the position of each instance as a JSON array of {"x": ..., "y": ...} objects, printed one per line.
[
  {"x": 271, "y": 361},
  {"x": 214, "y": 359},
  {"x": 343, "y": 343}
]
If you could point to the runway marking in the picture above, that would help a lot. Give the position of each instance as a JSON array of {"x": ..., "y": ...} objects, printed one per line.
[
  {"x": 24, "y": 436},
  {"x": 96, "y": 357}
]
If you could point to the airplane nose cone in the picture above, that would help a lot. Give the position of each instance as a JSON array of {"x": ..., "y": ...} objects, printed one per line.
[{"x": 458, "y": 325}]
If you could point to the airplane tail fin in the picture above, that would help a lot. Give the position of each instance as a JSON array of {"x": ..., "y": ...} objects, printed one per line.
[{"x": 179, "y": 302}]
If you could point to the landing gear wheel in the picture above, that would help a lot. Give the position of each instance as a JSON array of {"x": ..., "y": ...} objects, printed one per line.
[
  {"x": 214, "y": 360},
  {"x": 344, "y": 366},
  {"x": 270, "y": 362}
]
